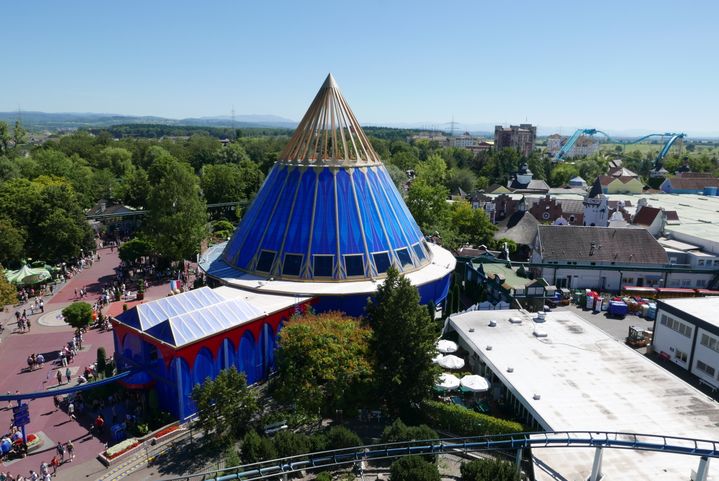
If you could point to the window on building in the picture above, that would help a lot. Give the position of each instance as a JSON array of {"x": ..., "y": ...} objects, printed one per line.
[
  {"x": 354, "y": 265},
  {"x": 264, "y": 263},
  {"x": 710, "y": 341},
  {"x": 686, "y": 282},
  {"x": 322, "y": 265},
  {"x": 675, "y": 325},
  {"x": 700, "y": 262},
  {"x": 293, "y": 264},
  {"x": 705, "y": 368},
  {"x": 381, "y": 261},
  {"x": 681, "y": 356},
  {"x": 418, "y": 251},
  {"x": 628, "y": 280},
  {"x": 404, "y": 258},
  {"x": 701, "y": 282}
]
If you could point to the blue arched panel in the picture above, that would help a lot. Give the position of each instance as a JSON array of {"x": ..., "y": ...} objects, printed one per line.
[
  {"x": 298, "y": 231},
  {"x": 349, "y": 221},
  {"x": 226, "y": 356},
  {"x": 266, "y": 359},
  {"x": 132, "y": 348},
  {"x": 204, "y": 366},
  {"x": 246, "y": 358},
  {"x": 389, "y": 218},
  {"x": 182, "y": 378},
  {"x": 278, "y": 220},
  {"x": 373, "y": 229},
  {"x": 324, "y": 232}
]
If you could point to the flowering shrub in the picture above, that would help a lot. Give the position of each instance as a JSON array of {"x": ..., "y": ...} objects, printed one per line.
[{"x": 121, "y": 448}]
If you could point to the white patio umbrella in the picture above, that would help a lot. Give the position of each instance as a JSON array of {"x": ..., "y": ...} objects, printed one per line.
[
  {"x": 447, "y": 382},
  {"x": 437, "y": 358},
  {"x": 474, "y": 383},
  {"x": 451, "y": 362},
  {"x": 445, "y": 346}
]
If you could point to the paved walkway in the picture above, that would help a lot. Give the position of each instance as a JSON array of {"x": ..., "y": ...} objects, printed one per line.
[{"x": 48, "y": 337}]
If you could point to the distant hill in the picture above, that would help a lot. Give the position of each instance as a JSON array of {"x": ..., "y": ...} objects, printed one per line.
[{"x": 71, "y": 120}]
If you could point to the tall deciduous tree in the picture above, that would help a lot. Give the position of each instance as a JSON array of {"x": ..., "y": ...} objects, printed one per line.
[
  {"x": 324, "y": 363},
  {"x": 12, "y": 242},
  {"x": 468, "y": 226},
  {"x": 225, "y": 404},
  {"x": 427, "y": 203},
  {"x": 402, "y": 343},
  {"x": 8, "y": 292},
  {"x": 177, "y": 217},
  {"x": 230, "y": 182}
]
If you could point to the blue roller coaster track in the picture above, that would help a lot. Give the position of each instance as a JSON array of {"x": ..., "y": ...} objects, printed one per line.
[
  {"x": 673, "y": 137},
  {"x": 704, "y": 449},
  {"x": 569, "y": 144}
]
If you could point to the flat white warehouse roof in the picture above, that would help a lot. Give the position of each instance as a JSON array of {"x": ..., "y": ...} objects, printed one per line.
[
  {"x": 588, "y": 381},
  {"x": 703, "y": 308}
]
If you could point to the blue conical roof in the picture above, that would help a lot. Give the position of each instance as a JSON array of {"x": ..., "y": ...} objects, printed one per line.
[{"x": 328, "y": 210}]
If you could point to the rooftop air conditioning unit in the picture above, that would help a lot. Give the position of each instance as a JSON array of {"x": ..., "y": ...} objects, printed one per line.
[
  {"x": 492, "y": 323},
  {"x": 471, "y": 329},
  {"x": 541, "y": 317},
  {"x": 515, "y": 320},
  {"x": 510, "y": 369},
  {"x": 489, "y": 348},
  {"x": 540, "y": 333},
  {"x": 537, "y": 397}
]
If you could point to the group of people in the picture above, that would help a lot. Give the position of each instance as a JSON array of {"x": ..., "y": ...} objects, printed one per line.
[
  {"x": 23, "y": 321},
  {"x": 35, "y": 361}
]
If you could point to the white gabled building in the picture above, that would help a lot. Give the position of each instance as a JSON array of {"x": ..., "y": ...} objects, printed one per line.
[{"x": 686, "y": 332}]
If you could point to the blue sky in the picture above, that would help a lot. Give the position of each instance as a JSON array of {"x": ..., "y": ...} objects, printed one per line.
[{"x": 630, "y": 65}]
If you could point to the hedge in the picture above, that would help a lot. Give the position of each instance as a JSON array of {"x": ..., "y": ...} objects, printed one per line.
[{"x": 465, "y": 422}]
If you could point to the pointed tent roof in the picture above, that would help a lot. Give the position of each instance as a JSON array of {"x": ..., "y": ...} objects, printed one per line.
[
  {"x": 329, "y": 134},
  {"x": 328, "y": 209}
]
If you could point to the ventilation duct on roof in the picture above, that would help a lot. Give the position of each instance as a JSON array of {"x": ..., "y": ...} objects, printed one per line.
[
  {"x": 515, "y": 320},
  {"x": 492, "y": 323}
]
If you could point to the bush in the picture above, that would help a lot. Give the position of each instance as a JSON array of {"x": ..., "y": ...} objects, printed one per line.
[
  {"x": 232, "y": 457},
  {"x": 462, "y": 421},
  {"x": 413, "y": 468},
  {"x": 399, "y": 432},
  {"x": 288, "y": 443},
  {"x": 101, "y": 360},
  {"x": 256, "y": 448},
  {"x": 323, "y": 476},
  {"x": 78, "y": 314},
  {"x": 488, "y": 470},
  {"x": 319, "y": 442},
  {"x": 339, "y": 437}
]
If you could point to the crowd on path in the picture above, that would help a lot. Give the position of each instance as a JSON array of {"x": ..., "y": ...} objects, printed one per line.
[{"x": 65, "y": 453}]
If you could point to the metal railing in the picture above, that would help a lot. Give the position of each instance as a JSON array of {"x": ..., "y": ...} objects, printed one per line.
[{"x": 558, "y": 439}]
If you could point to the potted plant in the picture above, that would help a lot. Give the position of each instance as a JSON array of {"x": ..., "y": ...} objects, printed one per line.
[{"x": 140, "y": 290}]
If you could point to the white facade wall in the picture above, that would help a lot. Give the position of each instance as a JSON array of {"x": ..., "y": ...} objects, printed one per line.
[
  {"x": 709, "y": 357},
  {"x": 609, "y": 280},
  {"x": 691, "y": 280},
  {"x": 675, "y": 344}
]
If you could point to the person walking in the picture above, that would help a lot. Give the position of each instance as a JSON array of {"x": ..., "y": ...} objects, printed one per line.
[
  {"x": 70, "y": 450},
  {"x": 71, "y": 410},
  {"x": 99, "y": 424},
  {"x": 55, "y": 463},
  {"x": 34, "y": 476},
  {"x": 59, "y": 377},
  {"x": 68, "y": 374},
  {"x": 60, "y": 448},
  {"x": 56, "y": 401}
]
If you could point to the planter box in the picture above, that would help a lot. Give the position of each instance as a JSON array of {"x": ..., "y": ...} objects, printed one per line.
[{"x": 163, "y": 434}]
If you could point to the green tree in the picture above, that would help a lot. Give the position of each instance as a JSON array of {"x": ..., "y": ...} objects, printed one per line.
[
  {"x": 402, "y": 343},
  {"x": 339, "y": 437},
  {"x": 405, "y": 160},
  {"x": 19, "y": 135},
  {"x": 461, "y": 178},
  {"x": 233, "y": 153},
  {"x": 78, "y": 315},
  {"x": 101, "y": 360},
  {"x": 561, "y": 173},
  {"x": 256, "y": 448},
  {"x": 115, "y": 159},
  {"x": 202, "y": 150},
  {"x": 288, "y": 443},
  {"x": 225, "y": 404},
  {"x": 134, "y": 188},
  {"x": 398, "y": 176},
  {"x": 222, "y": 183},
  {"x": 467, "y": 226},
  {"x": 399, "y": 432},
  {"x": 323, "y": 363},
  {"x": 4, "y": 138},
  {"x": 427, "y": 203},
  {"x": 488, "y": 470},
  {"x": 135, "y": 248},
  {"x": 12, "y": 242},
  {"x": 433, "y": 171},
  {"x": 177, "y": 215},
  {"x": 413, "y": 468},
  {"x": 8, "y": 292}
]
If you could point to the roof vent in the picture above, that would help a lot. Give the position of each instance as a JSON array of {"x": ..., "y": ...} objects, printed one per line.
[
  {"x": 489, "y": 348},
  {"x": 537, "y": 397},
  {"x": 541, "y": 317},
  {"x": 515, "y": 320},
  {"x": 471, "y": 329},
  {"x": 492, "y": 323},
  {"x": 510, "y": 369},
  {"x": 540, "y": 333}
]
